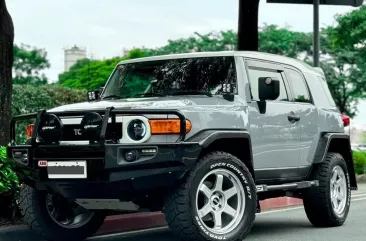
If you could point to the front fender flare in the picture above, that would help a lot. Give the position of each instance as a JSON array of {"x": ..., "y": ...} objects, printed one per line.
[{"x": 207, "y": 137}]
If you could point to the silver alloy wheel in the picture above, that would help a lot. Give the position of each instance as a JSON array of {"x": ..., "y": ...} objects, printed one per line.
[
  {"x": 338, "y": 190},
  {"x": 78, "y": 218},
  {"x": 220, "y": 201}
]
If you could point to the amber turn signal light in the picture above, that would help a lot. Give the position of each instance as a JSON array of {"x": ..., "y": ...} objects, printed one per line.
[
  {"x": 29, "y": 130},
  {"x": 168, "y": 126}
]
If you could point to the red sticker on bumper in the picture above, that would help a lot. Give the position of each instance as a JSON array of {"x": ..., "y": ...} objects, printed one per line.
[{"x": 42, "y": 163}]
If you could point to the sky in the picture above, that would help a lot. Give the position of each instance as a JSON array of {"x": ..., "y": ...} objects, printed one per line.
[{"x": 105, "y": 28}]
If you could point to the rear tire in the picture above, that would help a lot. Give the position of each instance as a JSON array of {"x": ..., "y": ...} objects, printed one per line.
[
  {"x": 33, "y": 206},
  {"x": 217, "y": 201},
  {"x": 328, "y": 205}
]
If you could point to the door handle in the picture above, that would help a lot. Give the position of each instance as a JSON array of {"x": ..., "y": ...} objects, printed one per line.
[{"x": 293, "y": 117}]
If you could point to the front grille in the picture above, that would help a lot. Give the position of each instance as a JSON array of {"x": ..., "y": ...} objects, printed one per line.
[{"x": 72, "y": 132}]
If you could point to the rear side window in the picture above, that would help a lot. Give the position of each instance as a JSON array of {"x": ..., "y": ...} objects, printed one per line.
[
  {"x": 327, "y": 92},
  {"x": 299, "y": 88}
]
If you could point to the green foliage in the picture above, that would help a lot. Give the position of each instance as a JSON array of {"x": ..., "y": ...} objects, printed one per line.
[
  {"x": 343, "y": 56},
  {"x": 29, "y": 99},
  {"x": 92, "y": 74},
  {"x": 347, "y": 42},
  {"x": 359, "y": 159},
  {"x": 350, "y": 32},
  {"x": 28, "y": 62},
  {"x": 283, "y": 41},
  {"x": 8, "y": 179},
  {"x": 88, "y": 74}
]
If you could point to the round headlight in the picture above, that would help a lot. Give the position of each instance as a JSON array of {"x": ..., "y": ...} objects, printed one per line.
[
  {"x": 136, "y": 130},
  {"x": 50, "y": 128}
]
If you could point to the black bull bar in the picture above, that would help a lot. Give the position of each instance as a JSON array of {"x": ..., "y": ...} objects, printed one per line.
[{"x": 109, "y": 112}]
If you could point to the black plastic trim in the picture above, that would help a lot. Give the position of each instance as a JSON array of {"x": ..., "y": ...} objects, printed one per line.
[
  {"x": 207, "y": 137},
  {"x": 287, "y": 186},
  {"x": 224, "y": 134},
  {"x": 281, "y": 174},
  {"x": 324, "y": 144},
  {"x": 322, "y": 150},
  {"x": 108, "y": 112}
]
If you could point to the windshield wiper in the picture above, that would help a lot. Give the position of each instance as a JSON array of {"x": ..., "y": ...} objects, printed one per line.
[
  {"x": 111, "y": 97},
  {"x": 145, "y": 95},
  {"x": 193, "y": 92}
]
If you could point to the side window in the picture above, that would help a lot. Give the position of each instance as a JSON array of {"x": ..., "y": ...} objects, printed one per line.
[
  {"x": 299, "y": 88},
  {"x": 327, "y": 92},
  {"x": 255, "y": 74}
]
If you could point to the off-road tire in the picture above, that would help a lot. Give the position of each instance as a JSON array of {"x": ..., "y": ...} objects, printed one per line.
[
  {"x": 35, "y": 214},
  {"x": 180, "y": 207},
  {"x": 317, "y": 200}
]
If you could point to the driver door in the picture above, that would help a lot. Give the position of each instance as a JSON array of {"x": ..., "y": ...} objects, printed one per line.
[{"x": 275, "y": 135}]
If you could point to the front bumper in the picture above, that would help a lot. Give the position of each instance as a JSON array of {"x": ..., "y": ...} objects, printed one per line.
[
  {"x": 107, "y": 170},
  {"x": 109, "y": 174}
]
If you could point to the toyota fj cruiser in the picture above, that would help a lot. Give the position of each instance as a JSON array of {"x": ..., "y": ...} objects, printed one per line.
[{"x": 201, "y": 137}]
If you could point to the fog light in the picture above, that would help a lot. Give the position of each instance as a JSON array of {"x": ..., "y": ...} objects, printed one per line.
[
  {"x": 131, "y": 156},
  {"x": 20, "y": 156},
  {"x": 25, "y": 158}
]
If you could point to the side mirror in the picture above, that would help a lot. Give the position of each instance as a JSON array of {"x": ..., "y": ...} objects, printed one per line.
[
  {"x": 268, "y": 88},
  {"x": 93, "y": 95}
]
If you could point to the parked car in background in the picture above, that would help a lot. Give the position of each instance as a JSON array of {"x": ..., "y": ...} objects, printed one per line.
[{"x": 358, "y": 147}]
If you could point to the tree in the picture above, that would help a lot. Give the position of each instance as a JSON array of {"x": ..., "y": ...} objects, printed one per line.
[
  {"x": 283, "y": 41},
  {"x": 345, "y": 81},
  {"x": 28, "y": 63},
  {"x": 88, "y": 74},
  {"x": 92, "y": 74},
  {"x": 347, "y": 65},
  {"x": 6, "y": 64},
  {"x": 31, "y": 98}
]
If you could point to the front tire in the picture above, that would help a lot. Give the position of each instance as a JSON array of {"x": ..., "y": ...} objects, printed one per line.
[
  {"x": 328, "y": 204},
  {"x": 37, "y": 212},
  {"x": 217, "y": 201}
]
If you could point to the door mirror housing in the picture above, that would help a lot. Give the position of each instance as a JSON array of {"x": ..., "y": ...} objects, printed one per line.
[{"x": 268, "y": 88}]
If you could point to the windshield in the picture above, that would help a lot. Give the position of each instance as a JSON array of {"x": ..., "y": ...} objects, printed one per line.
[{"x": 199, "y": 76}]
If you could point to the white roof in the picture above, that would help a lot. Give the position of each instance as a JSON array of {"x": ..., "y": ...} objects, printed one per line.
[{"x": 249, "y": 54}]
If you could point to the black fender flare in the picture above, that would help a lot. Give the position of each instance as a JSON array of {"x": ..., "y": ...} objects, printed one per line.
[
  {"x": 323, "y": 148},
  {"x": 206, "y": 137}
]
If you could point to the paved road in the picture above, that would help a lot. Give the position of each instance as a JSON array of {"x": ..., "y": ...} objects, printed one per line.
[{"x": 281, "y": 225}]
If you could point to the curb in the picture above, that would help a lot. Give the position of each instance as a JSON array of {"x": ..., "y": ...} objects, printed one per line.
[
  {"x": 130, "y": 222},
  {"x": 281, "y": 202},
  {"x": 137, "y": 221}
]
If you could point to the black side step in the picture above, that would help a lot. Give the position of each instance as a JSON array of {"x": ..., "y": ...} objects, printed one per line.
[{"x": 287, "y": 186}]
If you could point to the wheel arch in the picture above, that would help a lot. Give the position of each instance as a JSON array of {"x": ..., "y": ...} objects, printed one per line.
[
  {"x": 339, "y": 143},
  {"x": 235, "y": 142}
]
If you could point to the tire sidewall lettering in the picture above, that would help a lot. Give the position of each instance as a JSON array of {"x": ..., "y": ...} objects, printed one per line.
[
  {"x": 237, "y": 171},
  {"x": 348, "y": 189},
  {"x": 211, "y": 235},
  {"x": 232, "y": 167}
]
